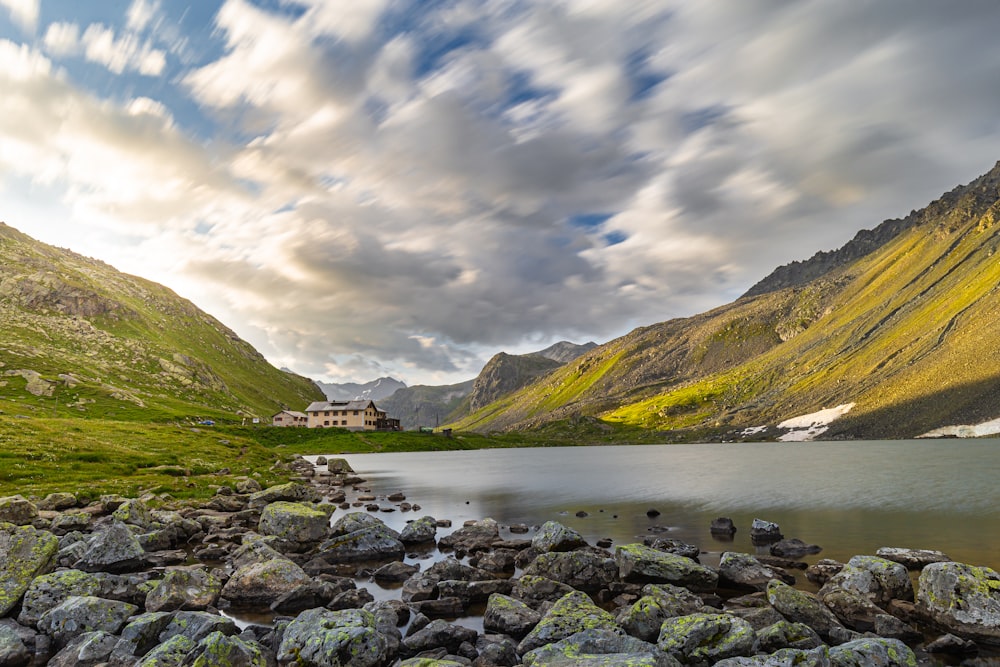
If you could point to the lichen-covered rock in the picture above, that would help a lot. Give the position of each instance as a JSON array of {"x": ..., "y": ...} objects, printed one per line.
[
  {"x": 912, "y": 559},
  {"x": 320, "y": 637},
  {"x": 294, "y": 522},
  {"x": 878, "y": 579},
  {"x": 48, "y": 590},
  {"x": 86, "y": 650},
  {"x": 964, "y": 599},
  {"x": 358, "y": 537},
  {"x": 58, "y": 501},
  {"x": 599, "y": 648},
  {"x": 84, "y": 613},
  {"x": 431, "y": 662},
  {"x": 787, "y": 657},
  {"x": 257, "y": 585},
  {"x": 220, "y": 650},
  {"x": 419, "y": 531},
  {"x": 135, "y": 512},
  {"x": 196, "y": 625},
  {"x": 508, "y": 616},
  {"x": 743, "y": 571},
  {"x": 140, "y": 635},
  {"x": 17, "y": 510},
  {"x": 292, "y": 491},
  {"x": 25, "y": 553},
  {"x": 13, "y": 652},
  {"x": 872, "y": 652},
  {"x": 479, "y": 536},
  {"x": 785, "y": 634},
  {"x": 184, "y": 588},
  {"x": 583, "y": 570},
  {"x": 645, "y": 617},
  {"x": 553, "y": 536},
  {"x": 115, "y": 549},
  {"x": 70, "y": 521},
  {"x": 572, "y": 613},
  {"x": 639, "y": 563},
  {"x": 438, "y": 634},
  {"x": 536, "y": 591},
  {"x": 170, "y": 653},
  {"x": 802, "y": 607},
  {"x": 706, "y": 638}
]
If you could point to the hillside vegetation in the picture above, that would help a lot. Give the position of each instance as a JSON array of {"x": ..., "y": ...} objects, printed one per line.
[
  {"x": 905, "y": 329},
  {"x": 81, "y": 339}
]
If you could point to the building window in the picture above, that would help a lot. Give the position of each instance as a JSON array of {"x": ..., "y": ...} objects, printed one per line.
[
  {"x": 343, "y": 422},
  {"x": 326, "y": 423}
]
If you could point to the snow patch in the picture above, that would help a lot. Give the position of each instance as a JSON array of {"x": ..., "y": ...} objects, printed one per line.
[
  {"x": 965, "y": 430},
  {"x": 807, "y": 427},
  {"x": 753, "y": 430}
]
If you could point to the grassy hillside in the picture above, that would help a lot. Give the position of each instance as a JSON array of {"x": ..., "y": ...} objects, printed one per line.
[
  {"x": 907, "y": 332},
  {"x": 84, "y": 340}
]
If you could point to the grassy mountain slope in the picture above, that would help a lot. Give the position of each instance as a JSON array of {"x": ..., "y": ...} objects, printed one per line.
[
  {"x": 907, "y": 331},
  {"x": 82, "y": 339}
]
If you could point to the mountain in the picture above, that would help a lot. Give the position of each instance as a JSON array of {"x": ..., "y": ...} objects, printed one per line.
[
  {"x": 565, "y": 351},
  {"x": 375, "y": 390},
  {"x": 898, "y": 330},
  {"x": 424, "y": 405},
  {"x": 83, "y": 339},
  {"x": 506, "y": 373}
]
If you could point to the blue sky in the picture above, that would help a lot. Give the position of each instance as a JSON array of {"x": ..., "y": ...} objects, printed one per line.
[{"x": 398, "y": 188}]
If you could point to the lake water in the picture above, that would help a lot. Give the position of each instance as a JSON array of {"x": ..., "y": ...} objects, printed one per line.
[{"x": 848, "y": 497}]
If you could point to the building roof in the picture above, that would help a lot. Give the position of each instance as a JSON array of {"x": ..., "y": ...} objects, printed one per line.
[
  {"x": 294, "y": 413},
  {"x": 319, "y": 406}
]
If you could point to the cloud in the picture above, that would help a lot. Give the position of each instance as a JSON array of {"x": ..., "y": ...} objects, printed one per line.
[
  {"x": 62, "y": 39},
  {"x": 23, "y": 12},
  {"x": 126, "y": 52}
]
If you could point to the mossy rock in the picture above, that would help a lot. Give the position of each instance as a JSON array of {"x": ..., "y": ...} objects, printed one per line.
[
  {"x": 639, "y": 563},
  {"x": 572, "y": 613},
  {"x": 964, "y": 599},
  {"x": 320, "y": 637},
  {"x": 25, "y": 553},
  {"x": 873, "y": 652},
  {"x": 706, "y": 638}
]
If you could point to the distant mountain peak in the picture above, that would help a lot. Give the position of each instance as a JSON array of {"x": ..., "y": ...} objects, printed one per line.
[{"x": 374, "y": 390}]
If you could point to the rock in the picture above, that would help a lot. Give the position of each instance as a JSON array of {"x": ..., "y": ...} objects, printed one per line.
[
  {"x": 872, "y": 652},
  {"x": 473, "y": 591},
  {"x": 170, "y": 653},
  {"x": 17, "y": 510},
  {"x": 219, "y": 650},
  {"x": 292, "y": 492},
  {"x": 645, "y": 617},
  {"x": 13, "y": 652},
  {"x": 582, "y": 570},
  {"x": 950, "y": 644},
  {"x": 79, "y": 614},
  {"x": 509, "y": 616},
  {"x": 878, "y": 579},
  {"x": 361, "y": 537},
  {"x": 196, "y": 625},
  {"x": 785, "y": 634},
  {"x": 912, "y": 559},
  {"x": 134, "y": 512},
  {"x": 572, "y": 613},
  {"x": 553, "y": 536},
  {"x": 339, "y": 467},
  {"x": 498, "y": 560},
  {"x": 801, "y": 607},
  {"x": 140, "y": 635},
  {"x": 70, "y": 521},
  {"x": 793, "y": 548},
  {"x": 115, "y": 549},
  {"x": 853, "y": 609},
  {"x": 86, "y": 650},
  {"x": 821, "y": 571},
  {"x": 536, "y": 591},
  {"x": 58, "y": 501},
  {"x": 320, "y": 637},
  {"x": 438, "y": 634},
  {"x": 294, "y": 522},
  {"x": 395, "y": 571},
  {"x": 247, "y": 486},
  {"x": 419, "y": 531},
  {"x": 673, "y": 546},
  {"x": 183, "y": 588},
  {"x": 496, "y": 651},
  {"x": 594, "y": 648},
  {"x": 963, "y": 599},
  {"x": 743, "y": 571},
  {"x": 639, "y": 563},
  {"x": 722, "y": 526},
  {"x": 353, "y": 598},
  {"x": 706, "y": 638},
  {"x": 257, "y": 585},
  {"x": 25, "y": 553},
  {"x": 890, "y": 627},
  {"x": 764, "y": 532},
  {"x": 480, "y": 536},
  {"x": 787, "y": 657}
]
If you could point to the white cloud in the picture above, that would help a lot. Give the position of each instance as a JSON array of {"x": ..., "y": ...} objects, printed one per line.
[
  {"x": 141, "y": 13},
  {"x": 62, "y": 39},
  {"x": 127, "y": 52},
  {"x": 23, "y": 12}
]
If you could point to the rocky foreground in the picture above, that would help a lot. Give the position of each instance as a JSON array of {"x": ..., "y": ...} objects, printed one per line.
[{"x": 142, "y": 581}]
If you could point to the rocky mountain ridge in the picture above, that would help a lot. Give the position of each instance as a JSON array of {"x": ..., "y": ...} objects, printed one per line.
[{"x": 375, "y": 390}]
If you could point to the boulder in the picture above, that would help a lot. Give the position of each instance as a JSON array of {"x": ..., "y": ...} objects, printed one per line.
[
  {"x": 395, "y": 572},
  {"x": 86, "y": 650},
  {"x": 509, "y": 616},
  {"x": 872, "y": 652},
  {"x": 594, "y": 648},
  {"x": 79, "y": 614},
  {"x": 645, "y": 617},
  {"x": 292, "y": 491},
  {"x": 361, "y": 539},
  {"x": 802, "y": 607},
  {"x": 320, "y": 637},
  {"x": 793, "y": 548},
  {"x": 639, "y": 563},
  {"x": 438, "y": 634},
  {"x": 58, "y": 501},
  {"x": 258, "y": 585},
  {"x": 419, "y": 531},
  {"x": 294, "y": 522},
  {"x": 25, "y": 553},
  {"x": 764, "y": 532},
  {"x": 134, "y": 512},
  {"x": 785, "y": 634},
  {"x": 854, "y": 609},
  {"x": 17, "y": 510},
  {"x": 673, "y": 546},
  {"x": 553, "y": 536},
  {"x": 743, "y": 571},
  {"x": 706, "y": 638},
  {"x": 13, "y": 652},
  {"x": 170, "y": 653},
  {"x": 140, "y": 635},
  {"x": 196, "y": 625},
  {"x": 878, "y": 579},
  {"x": 478, "y": 536},
  {"x": 536, "y": 591},
  {"x": 218, "y": 649},
  {"x": 963, "y": 599},
  {"x": 115, "y": 549},
  {"x": 786, "y": 657},
  {"x": 572, "y": 613},
  {"x": 821, "y": 571},
  {"x": 722, "y": 527},
  {"x": 184, "y": 588},
  {"x": 582, "y": 570},
  {"x": 70, "y": 521},
  {"x": 912, "y": 559}
]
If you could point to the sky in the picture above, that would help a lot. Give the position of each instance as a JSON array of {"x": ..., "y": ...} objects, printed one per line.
[{"x": 363, "y": 188}]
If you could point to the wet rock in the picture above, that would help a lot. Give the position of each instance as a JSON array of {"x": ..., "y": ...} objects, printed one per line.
[
  {"x": 801, "y": 607},
  {"x": 706, "y": 638},
  {"x": 509, "y": 616},
  {"x": 722, "y": 526},
  {"x": 257, "y": 585},
  {"x": 553, "y": 536},
  {"x": 79, "y": 614},
  {"x": 673, "y": 546},
  {"x": 743, "y": 571},
  {"x": 25, "y": 553},
  {"x": 17, "y": 510},
  {"x": 294, "y": 522},
  {"x": 639, "y": 563},
  {"x": 422, "y": 530},
  {"x": 793, "y": 548},
  {"x": 764, "y": 532},
  {"x": 912, "y": 559},
  {"x": 963, "y": 599},
  {"x": 599, "y": 647},
  {"x": 184, "y": 588},
  {"x": 115, "y": 549},
  {"x": 479, "y": 536},
  {"x": 872, "y": 652},
  {"x": 470, "y": 592},
  {"x": 354, "y": 598},
  {"x": 583, "y": 570},
  {"x": 395, "y": 571},
  {"x": 322, "y": 637},
  {"x": 442, "y": 607},
  {"x": 572, "y": 613},
  {"x": 498, "y": 560},
  {"x": 878, "y": 579}
]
